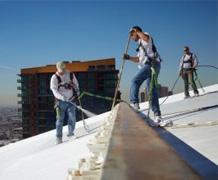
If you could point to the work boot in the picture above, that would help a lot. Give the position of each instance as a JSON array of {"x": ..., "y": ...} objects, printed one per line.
[
  {"x": 186, "y": 97},
  {"x": 58, "y": 141},
  {"x": 158, "y": 120},
  {"x": 135, "y": 106},
  {"x": 71, "y": 137},
  {"x": 196, "y": 94}
]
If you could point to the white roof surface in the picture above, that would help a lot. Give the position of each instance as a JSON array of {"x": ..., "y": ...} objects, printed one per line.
[
  {"x": 194, "y": 137},
  {"x": 194, "y": 134}
]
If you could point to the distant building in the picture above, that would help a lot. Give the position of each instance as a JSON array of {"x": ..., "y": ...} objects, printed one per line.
[
  {"x": 162, "y": 92},
  {"x": 98, "y": 77}
]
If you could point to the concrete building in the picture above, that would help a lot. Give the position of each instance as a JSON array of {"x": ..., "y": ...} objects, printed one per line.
[{"x": 97, "y": 78}]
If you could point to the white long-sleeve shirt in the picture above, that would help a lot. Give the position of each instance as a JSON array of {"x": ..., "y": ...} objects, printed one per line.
[
  {"x": 60, "y": 92},
  {"x": 143, "y": 56}
]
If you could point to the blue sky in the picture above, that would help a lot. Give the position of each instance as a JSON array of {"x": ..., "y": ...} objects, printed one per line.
[{"x": 37, "y": 33}]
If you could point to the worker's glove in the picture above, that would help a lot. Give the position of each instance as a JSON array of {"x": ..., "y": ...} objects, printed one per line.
[
  {"x": 126, "y": 56},
  {"x": 75, "y": 97},
  {"x": 78, "y": 93},
  {"x": 56, "y": 104},
  {"x": 63, "y": 98}
]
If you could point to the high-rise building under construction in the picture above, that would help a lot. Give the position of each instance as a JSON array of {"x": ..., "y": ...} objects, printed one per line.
[{"x": 97, "y": 78}]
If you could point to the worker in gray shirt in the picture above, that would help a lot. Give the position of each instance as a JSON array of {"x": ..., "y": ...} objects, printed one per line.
[{"x": 188, "y": 64}]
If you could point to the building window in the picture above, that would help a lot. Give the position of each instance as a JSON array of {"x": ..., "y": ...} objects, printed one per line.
[
  {"x": 111, "y": 67},
  {"x": 91, "y": 68},
  {"x": 101, "y": 68},
  {"x": 91, "y": 75}
]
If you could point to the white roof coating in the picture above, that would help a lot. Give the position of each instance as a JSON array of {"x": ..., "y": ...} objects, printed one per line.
[{"x": 193, "y": 136}]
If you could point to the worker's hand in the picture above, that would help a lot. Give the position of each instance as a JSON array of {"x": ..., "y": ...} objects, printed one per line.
[
  {"x": 194, "y": 68},
  {"x": 126, "y": 56}
]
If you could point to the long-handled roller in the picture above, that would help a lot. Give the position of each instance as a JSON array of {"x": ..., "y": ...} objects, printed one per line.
[{"x": 120, "y": 75}]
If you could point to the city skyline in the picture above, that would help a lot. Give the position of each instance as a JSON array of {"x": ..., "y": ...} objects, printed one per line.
[{"x": 38, "y": 33}]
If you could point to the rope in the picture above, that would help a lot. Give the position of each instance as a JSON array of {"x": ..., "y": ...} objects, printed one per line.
[
  {"x": 171, "y": 89},
  {"x": 199, "y": 81},
  {"x": 189, "y": 111},
  {"x": 99, "y": 96},
  {"x": 208, "y": 66},
  {"x": 195, "y": 124}
]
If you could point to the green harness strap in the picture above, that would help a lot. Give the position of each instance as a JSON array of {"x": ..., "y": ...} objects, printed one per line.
[
  {"x": 153, "y": 83},
  {"x": 99, "y": 96}
]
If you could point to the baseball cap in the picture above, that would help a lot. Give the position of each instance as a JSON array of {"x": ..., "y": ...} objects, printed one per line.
[{"x": 60, "y": 66}]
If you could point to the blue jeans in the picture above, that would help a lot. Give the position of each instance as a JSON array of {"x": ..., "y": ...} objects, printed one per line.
[
  {"x": 142, "y": 75},
  {"x": 155, "y": 107},
  {"x": 67, "y": 110}
]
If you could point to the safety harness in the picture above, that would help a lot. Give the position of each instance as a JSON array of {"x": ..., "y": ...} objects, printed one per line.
[
  {"x": 189, "y": 61},
  {"x": 69, "y": 85},
  {"x": 154, "y": 49}
]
